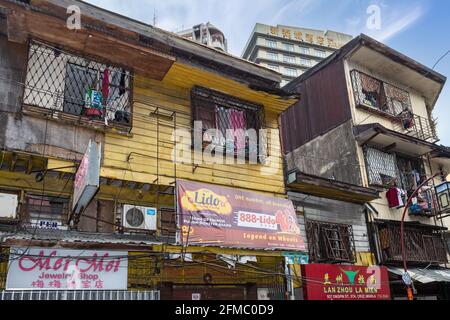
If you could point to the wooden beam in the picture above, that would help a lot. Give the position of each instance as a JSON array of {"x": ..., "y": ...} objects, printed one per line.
[
  {"x": 29, "y": 165},
  {"x": 12, "y": 165}
]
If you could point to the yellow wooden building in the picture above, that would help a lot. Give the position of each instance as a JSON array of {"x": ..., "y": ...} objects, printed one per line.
[{"x": 151, "y": 79}]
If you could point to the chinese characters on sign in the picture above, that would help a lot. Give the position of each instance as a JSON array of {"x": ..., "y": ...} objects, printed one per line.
[
  {"x": 336, "y": 282},
  {"x": 216, "y": 215},
  {"x": 305, "y": 37},
  {"x": 55, "y": 269}
]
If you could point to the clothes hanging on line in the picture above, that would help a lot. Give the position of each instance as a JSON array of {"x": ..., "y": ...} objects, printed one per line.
[{"x": 396, "y": 198}]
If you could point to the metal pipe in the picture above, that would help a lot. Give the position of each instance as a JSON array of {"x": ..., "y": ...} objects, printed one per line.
[{"x": 402, "y": 225}]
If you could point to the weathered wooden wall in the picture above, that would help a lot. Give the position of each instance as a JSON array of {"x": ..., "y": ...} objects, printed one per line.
[{"x": 151, "y": 145}]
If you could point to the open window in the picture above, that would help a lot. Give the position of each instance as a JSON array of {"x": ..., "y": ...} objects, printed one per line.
[
  {"x": 375, "y": 95},
  {"x": 74, "y": 87},
  {"x": 329, "y": 242}
]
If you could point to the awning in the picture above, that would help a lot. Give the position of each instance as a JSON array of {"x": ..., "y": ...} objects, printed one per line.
[
  {"x": 424, "y": 275},
  {"x": 332, "y": 189},
  {"x": 392, "y": 140}
]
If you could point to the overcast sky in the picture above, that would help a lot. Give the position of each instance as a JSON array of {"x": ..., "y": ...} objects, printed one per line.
[{"x": 417, "y": 28}]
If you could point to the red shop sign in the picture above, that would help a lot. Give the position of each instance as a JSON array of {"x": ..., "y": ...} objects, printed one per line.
[{"x": 337, "y": 282}]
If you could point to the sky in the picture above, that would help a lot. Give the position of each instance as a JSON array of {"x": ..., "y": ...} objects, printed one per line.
[{"x": 418, "y": 28}]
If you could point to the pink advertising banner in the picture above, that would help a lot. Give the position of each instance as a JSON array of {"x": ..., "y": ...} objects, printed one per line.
[{"x": 59, "y": 269}]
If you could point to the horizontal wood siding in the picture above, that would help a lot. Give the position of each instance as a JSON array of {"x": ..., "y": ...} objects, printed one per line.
[{"x": 151, "y": 145}]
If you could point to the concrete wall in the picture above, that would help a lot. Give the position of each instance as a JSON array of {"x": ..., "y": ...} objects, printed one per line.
[
  {"x": 332, "y": 156},
  {"x": 12, "y": 68}
]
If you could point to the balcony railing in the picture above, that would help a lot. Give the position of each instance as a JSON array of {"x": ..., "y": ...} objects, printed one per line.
[
  {"x": 417, "y": 127},
  {"x": 62, "y": 295},
  {"x": 74, "y": 87},
  {"x": 422, "y": 246}
]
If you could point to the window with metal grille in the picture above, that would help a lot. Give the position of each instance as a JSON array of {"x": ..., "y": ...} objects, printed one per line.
[
  {"x": 329, "y": 242},
  {"x": 422, "y": 245},
  {"x": 59, "y": 81},
  {"x": 378, "y": 95},
  {"x": 385, "y": 169},
  {"x": 381, "y": 167},
  {"x": 237, "y": 123},
  {"x": 46, "y": 212}
]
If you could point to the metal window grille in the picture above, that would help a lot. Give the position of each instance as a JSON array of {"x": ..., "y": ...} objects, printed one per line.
[
  {"x": 381, "y": 167},
  {"x": 214, "y": 109},
  {"x": 80, "y": 295},
  {"x": 60, "y": 81},
  {"x": 422, "y": 246},
  {"x": 378, "y": 95},
  {"x": 330, "y": 242}
]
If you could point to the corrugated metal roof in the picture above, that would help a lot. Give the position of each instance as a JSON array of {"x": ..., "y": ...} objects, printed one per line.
[
  {"x": 425, "y": 275},
  {"x": 80, "y": 237}
]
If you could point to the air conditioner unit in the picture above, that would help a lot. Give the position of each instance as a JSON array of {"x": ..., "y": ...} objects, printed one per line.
[
  {"x": 8, "y": 206},
  {"x": 139, "y": 218}
]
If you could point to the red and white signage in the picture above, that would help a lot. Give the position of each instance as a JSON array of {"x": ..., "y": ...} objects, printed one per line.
[
  {"x": 339, "y": 282},
  {"x": 87, "y": 178},
  {"x": 58, "y": 269}
]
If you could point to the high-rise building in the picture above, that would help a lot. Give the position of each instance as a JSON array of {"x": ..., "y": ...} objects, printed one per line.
[
  {"x": 206, "y": 34},
  {"x": 291, "y": 50}
]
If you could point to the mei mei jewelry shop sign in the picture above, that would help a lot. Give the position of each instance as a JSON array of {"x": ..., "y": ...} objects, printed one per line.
[
  {"x": 55, "y": 269},
  {"x": 87, "y": 178},
  {"x": 215, "y": 215},
  {"x": 336, "y": 282}
]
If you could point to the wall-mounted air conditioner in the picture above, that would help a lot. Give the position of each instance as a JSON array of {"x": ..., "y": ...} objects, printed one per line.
[
  {"x": 8, "y": 206},
  {"x": 139, "y": 218}
]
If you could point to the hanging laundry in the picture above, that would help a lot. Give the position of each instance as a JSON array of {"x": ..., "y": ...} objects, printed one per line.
[
  {"x": 238, "y": 124},
  {"x": 396, "y": 198},
  {"x": 415, "y": 208},
  {"x": 223, "y": 123}
]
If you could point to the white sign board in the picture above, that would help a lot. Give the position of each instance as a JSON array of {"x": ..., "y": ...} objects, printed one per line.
[
  {"x": 87, "y": 178},
  {"x": 59, "y": 269}
]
